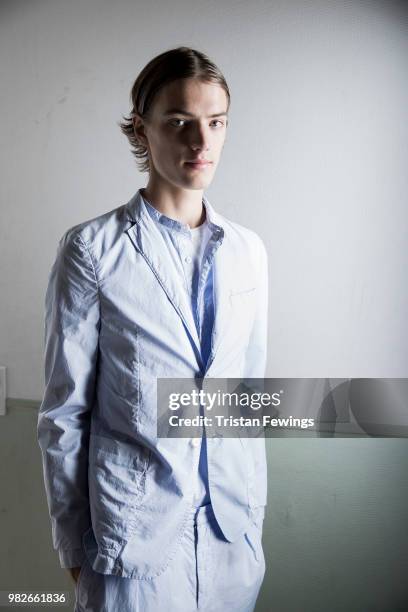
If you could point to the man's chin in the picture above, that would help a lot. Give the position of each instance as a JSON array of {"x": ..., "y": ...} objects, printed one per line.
[{"x": 197, "y": 182}]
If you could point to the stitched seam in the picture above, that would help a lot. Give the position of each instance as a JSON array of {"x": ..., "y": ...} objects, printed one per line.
[{"x": 90, "y": 259}]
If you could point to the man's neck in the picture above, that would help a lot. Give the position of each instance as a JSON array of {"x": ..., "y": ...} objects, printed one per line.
[{"x": 184, "y": 205}]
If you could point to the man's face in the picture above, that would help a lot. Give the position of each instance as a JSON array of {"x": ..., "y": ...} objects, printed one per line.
[{"x": 188, "y": 122}]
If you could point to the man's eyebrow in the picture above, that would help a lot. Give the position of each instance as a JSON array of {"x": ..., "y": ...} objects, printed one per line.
[{"x": 178, "y": 111}]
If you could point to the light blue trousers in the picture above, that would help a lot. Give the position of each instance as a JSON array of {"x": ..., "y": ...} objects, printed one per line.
[{"x": 207, "y": 573}]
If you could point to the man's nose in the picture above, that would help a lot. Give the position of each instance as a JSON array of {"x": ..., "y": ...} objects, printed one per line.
[{"x": 200, "y": 138}]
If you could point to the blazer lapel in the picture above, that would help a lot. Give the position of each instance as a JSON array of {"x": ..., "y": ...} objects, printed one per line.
[
  {"x": 232, "y": 276},
  {"x": 148, "y": 240}
]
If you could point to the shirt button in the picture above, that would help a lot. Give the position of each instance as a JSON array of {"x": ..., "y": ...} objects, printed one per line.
[
  {"x": 195, "y": 442},
  {"x": 187, "y": 259}
]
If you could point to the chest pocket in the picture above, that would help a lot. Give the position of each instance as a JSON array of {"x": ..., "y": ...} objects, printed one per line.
[{"x": 241, "y": 293}]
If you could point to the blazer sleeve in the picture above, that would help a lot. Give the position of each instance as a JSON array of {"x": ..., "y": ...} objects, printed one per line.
[
  {"x": 72, "y": 316},
  {"x": 256, "y": 352}
]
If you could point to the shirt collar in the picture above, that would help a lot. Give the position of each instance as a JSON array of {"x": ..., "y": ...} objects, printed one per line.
[{"x": 212, "y": 218}]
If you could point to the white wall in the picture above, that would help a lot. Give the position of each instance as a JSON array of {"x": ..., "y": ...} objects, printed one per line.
[{"x": 315, "y": 161}]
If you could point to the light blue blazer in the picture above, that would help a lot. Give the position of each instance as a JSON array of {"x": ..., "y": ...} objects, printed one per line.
[{"x": 116, "y": 320}]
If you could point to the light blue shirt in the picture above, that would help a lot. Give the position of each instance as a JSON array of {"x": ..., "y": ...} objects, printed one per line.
[{"x": 193, "y": 261}]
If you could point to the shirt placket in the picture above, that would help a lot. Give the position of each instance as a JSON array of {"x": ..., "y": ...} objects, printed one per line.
[{"x": 190, "y": 267}]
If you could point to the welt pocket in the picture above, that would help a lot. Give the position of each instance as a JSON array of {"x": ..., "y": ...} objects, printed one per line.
[{"x": 234, "y": 292}]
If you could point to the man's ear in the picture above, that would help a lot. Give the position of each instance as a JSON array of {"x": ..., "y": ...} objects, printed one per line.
[{"x": 139, "y": 128}]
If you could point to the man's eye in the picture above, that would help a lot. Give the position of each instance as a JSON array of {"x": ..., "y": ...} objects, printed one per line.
[
  {"x": 182, "y": 122},
  {"x": 174, "y": 121}
]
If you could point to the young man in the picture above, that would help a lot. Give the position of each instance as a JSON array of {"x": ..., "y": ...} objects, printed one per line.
[{"x": 163, "y": 286}]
